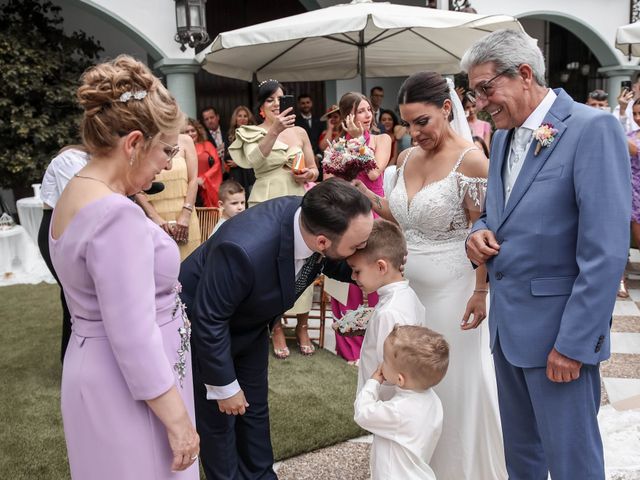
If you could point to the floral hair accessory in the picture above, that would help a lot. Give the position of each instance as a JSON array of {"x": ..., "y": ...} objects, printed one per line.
[
  {"x": 545, "y": 134},
  {"x": 345, "y": 158},
  {"x": 136, "y": 95}
]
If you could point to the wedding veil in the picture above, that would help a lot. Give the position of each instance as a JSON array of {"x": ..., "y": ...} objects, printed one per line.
[{"x": 459, "y": 122}]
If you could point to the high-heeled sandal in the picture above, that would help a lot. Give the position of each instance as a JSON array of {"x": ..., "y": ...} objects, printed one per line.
[
  {"x": 306, "y": 350},
  {"x": 622, "y": 289},
  {"x": 281, "y": 353}
]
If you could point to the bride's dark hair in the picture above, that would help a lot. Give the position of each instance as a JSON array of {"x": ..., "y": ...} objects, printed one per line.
[{"x": 425, "y": 87}]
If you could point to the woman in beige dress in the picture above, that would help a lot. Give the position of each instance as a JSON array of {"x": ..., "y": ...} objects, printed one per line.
[
  {"x": 173, "y": 208},
  {"x": 272, "y": 149}
]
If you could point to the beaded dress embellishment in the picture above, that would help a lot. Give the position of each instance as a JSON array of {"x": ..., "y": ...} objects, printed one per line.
[{"x": 185, "y": 335}]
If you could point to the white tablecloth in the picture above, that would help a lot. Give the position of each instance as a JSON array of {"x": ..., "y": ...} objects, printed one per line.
[
  {"x": 30, "y": 213},
  {"x": 20, "y": 260}
]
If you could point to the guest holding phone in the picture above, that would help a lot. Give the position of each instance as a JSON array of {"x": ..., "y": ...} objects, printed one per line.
[
  {"x": 629, "y": 92},
  {"x": 271, "y": 149}
]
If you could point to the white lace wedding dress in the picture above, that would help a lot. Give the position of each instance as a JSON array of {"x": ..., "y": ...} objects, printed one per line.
[{"x": 435, "y": 225}]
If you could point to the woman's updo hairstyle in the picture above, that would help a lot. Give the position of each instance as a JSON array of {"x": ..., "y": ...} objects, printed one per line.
[
  {"x": 266, "y": 89},
  {"x": 425, "y": 87},
  {"x": 107, "y": 116}
]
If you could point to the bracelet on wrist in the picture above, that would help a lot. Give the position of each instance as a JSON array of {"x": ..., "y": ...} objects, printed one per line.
[
  {"x": 188, "y": 206},
  {"x": 481, "y": 290}
]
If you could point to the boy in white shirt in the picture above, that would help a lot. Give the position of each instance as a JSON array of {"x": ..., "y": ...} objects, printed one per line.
[
  {"x": 406, "y": 428},
  {"x": 231, "y": 201},
  {"x": 377, "y": 268}
]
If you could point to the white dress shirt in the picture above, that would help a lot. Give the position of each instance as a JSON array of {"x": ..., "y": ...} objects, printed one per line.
[
  {"x": 307, "y": 118},
  {"x": 218, "y": 141},
  {"x": 61, "y": 169},
  {"x": 300, "y": 253},
  {"x": 397, "y": 303},
  {"x": 627, "y": 119},
  {"x": 510, "y": 174},
  {"x": 406, "y": 430}
]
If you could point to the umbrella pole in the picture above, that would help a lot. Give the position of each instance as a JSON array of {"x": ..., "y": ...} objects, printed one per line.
[{"x": 363, "y": 64}]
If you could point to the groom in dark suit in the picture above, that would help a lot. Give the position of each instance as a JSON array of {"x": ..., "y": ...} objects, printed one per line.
[
  {"x": 238, "y": 283},
  {"x": 555, "y": 238}
]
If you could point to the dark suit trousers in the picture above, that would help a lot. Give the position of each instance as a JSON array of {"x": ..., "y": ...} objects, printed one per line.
[
  {"x": 547, "y": 426},
  {"x": 238, "y": 447},
  {"x": 43, "y": 244}
]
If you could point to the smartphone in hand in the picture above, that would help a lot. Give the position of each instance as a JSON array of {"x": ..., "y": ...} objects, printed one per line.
[
  {"x": 286, "y": 101},
  {"x": 624, "y": 85}
]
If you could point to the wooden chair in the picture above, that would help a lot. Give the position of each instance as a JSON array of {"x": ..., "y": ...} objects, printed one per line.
[
  {"x": 321, "y": 303},
  {"x": 207, "y": 218}
]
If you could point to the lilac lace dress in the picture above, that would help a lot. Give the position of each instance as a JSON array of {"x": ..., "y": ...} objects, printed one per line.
[
  {"x": 635, "y": 179},
  {"x": 436, "y": 225},
  {"x": 129, "y": 341}
]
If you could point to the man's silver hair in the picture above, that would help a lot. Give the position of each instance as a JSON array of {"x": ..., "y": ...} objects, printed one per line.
[{"x": 507, "y": 49}]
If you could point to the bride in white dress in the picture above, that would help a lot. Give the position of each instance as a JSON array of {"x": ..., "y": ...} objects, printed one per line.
[{"x": 437, "y": 193}]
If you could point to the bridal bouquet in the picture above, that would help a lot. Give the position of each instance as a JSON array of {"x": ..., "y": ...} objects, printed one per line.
[
  {"x": 346, "y": 158},
  {"x": 354, "y": 322}
]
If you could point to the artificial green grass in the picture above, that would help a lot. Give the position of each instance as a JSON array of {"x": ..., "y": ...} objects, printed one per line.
[
  {"x": 311, "y": 402},
  {"x": 311, "y": 399}
]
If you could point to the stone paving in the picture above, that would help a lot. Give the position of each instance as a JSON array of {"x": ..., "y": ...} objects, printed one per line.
[{"x": 619, "y": 416}]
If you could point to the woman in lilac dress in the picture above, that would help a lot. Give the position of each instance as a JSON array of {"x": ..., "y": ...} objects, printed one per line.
[
  {"x": 634, "y": 150},
  {"x": 357, "y": 116},
  {"x": 127, "y": 394}
]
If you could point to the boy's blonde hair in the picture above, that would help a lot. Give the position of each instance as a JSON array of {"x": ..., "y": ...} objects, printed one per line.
[
  {"x": 420, "y": 353},
  {"x": 386, "y": 242},
  {"x": 228, "y": 188}
]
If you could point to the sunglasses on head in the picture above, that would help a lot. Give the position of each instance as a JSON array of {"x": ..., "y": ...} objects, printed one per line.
[{"x": 599, "y": 96}]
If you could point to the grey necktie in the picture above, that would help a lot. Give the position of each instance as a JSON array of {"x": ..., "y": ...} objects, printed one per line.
[{"x": 521, "y": 138}]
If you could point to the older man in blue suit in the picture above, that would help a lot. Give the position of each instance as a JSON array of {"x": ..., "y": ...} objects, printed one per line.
[
  {"x": 236, "y": 284},
  {"x": 554, "y": 236}
]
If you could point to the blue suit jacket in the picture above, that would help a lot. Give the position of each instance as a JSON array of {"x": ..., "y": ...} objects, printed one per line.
[
  {"x": 240, "y": 280},
  {"x": 563, "y": 235}
]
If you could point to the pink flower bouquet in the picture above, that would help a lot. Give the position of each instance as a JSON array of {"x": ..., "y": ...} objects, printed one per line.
[{"x": 346, "y": 158}]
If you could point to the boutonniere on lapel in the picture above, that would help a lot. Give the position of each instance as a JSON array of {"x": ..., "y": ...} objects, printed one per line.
[{"x": 545, "y": 134}]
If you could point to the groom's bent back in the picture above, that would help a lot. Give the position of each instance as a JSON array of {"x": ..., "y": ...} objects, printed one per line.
[
  {"x": 554, "y": 236},
  {"x": 235, "y": 285}
]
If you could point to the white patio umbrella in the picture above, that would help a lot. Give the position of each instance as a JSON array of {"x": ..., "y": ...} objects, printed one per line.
[
  {"x": 628, "y": 39},
  {"x": 339, "y": 42}
]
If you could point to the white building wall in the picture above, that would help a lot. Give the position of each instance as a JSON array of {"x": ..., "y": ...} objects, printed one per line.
[
  {"x": 155, "y": 20},
  {"x": 603, "y": 17}
]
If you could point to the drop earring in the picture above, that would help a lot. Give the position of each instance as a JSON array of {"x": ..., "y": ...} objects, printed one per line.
[{"x": 131, "y": 161}]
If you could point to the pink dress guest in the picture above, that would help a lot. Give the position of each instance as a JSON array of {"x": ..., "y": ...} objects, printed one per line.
[
  {"x": 480, "y": 128},
  {"x": 119, "y": 272},
  {"x": 349, "y": 347}
]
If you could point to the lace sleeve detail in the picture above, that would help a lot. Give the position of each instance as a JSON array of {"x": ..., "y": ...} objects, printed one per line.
[{"x": 472, "y": 191}]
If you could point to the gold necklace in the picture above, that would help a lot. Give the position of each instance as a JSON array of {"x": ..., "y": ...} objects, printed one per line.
[{"x": 98, "y": 180}]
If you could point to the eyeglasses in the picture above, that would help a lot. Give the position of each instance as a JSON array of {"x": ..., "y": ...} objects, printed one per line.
[
  {"x": 173, "y": 150},
  {"x": 484, "y": 90}
]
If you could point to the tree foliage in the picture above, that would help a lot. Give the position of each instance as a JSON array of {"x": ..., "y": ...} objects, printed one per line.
[{"x": 40, "y": 67}]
